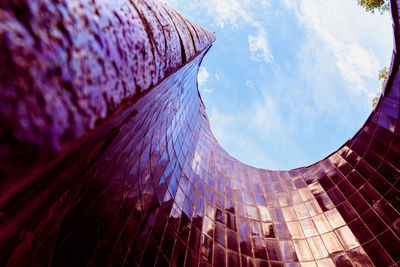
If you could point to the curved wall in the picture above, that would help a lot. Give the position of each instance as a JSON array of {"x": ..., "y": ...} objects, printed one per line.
[{"x": 152, "y": 186}]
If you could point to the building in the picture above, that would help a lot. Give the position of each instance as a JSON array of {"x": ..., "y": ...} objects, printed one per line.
[{"x": 137, "y": 178}]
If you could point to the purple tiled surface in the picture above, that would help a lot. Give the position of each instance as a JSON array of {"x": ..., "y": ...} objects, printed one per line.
[
  {"x": 67, "y": 65},
  {"x": 153, "y": 187}
]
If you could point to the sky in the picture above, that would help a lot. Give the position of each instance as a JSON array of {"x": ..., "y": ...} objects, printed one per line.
[{"x": 288, "y": 82}]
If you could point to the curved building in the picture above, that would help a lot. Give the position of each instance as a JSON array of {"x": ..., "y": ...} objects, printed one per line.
[{"x": 107, "y": 157}]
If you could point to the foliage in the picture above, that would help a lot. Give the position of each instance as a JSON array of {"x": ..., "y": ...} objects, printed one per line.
[
  {"x": 375, "y": 100},
  {"x": 383, "y": 73},
  {"x": 381, "y": 6},
  {"x": 375, "y": 5}
]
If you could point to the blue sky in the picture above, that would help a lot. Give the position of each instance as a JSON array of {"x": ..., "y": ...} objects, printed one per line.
[{"x": 288, "y": 82}]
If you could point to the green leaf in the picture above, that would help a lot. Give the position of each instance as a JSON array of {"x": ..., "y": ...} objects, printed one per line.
[{"x": 375, "y": 5}]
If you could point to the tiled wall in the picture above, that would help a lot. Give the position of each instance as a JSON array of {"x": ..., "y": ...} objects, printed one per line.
[
  {"x": 68, "y": 65},
  {"x": 152, "y": 187}
]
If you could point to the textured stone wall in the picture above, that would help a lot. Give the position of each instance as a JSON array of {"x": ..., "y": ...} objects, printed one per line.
[{"x": 67, "y": 65}]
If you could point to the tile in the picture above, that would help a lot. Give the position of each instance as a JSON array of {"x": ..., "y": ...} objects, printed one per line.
[
  {"x": 288, "y": 251},
  {"x": 309, "y": 227},
  {"x": 346, "y": 237},
  {"x": 303, "y": 250},
  {"x": 295, "y": 230},
  {"x": 334, "y": 218},
  {"x": 322, "y": 224},
  {"x": 377, "y": 253},
  {"x": 332, "y": 242},
  {"x": 317, "y": 247}
]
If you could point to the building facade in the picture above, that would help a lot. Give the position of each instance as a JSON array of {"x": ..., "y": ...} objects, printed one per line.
[{"x": 151, "y": 186}]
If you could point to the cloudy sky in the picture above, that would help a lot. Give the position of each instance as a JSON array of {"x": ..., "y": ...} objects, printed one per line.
[{"x": 288, "y": 81}]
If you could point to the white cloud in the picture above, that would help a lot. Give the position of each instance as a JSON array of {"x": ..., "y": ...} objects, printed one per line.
[
  {"x": 267, "y": 116},
  {"x": 258, "y": 47},
  {"x": 237, "y": 14},
  {"x": 229, "y": 12},
  {"x": 265, "y": 3},
  {"x": 229, "y": 131},
  {"x": 202, "y": 76},
  {"x": 290, "y": 3},
  {"x": 249, "y": 84},
  {"x": 221, "y": 125},
  {"x": 223, "y": 12},
  {"x": 217, "y": 78},
  {"x": 356, "y": 63},
  {"x": 343, "y": 29},
  {"x": 207, "y": 91}
]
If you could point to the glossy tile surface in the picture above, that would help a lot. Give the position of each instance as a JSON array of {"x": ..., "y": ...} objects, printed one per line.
[{"x": 153, "y": 187}]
